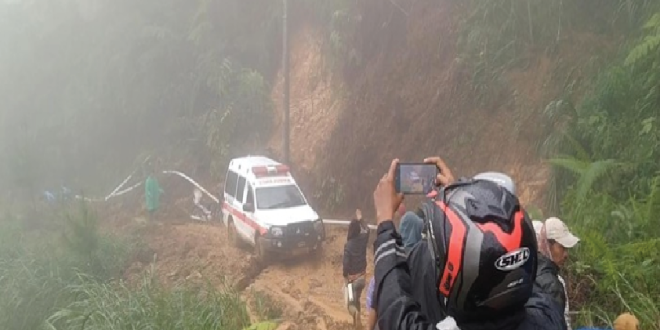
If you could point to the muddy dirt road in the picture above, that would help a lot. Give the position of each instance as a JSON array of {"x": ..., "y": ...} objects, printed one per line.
[{"x": 307, "y": 289}]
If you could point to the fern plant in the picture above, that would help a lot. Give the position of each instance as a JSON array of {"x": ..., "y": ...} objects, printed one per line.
[
  {"x": 648, "y": 47},
  {"x": 588, "y": 172},
  {"x": 640, "y": 215}
]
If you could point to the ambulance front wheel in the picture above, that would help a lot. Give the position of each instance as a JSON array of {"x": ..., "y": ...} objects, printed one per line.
[{"x": 260, "y": 251}]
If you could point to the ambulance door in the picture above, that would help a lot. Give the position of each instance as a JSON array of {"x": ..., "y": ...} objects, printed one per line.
[
  {"x": 231, "y": 181},
  {"x": 243, "y": 226},
  {"x": 249, "y": 210}
]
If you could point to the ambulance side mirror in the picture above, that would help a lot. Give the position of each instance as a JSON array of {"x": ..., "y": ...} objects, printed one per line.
[{"x": 248, "y": 207}]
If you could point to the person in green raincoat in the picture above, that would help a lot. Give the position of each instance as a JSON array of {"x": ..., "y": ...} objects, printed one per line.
[
  {"x": 265, "y": 325},
  {"x": 152, "y": 192}
]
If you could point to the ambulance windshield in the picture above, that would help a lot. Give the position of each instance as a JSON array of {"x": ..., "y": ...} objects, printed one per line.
[{"x": 279, "y": 197}]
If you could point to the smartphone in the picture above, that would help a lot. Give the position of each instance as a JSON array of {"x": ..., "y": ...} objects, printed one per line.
[{"x": 415, "y": 178}]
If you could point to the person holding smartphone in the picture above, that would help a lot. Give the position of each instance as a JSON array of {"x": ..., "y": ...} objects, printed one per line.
[
  {"x": 475, "y": 269},
  {"x": 411, "y": 234}
]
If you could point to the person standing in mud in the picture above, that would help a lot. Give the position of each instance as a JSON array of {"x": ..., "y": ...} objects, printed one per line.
[{"x": 355, "y": 264}]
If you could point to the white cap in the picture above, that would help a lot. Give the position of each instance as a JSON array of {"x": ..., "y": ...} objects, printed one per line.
[
  {"x": 537, "y": 226},
  {"x": 447, "y": 324},
  {"x": 500, "y": 178},
  {"x": 555, "y": 229}
]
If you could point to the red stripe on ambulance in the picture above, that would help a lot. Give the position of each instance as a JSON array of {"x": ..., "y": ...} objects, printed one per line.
[{"x": 243, "y": 218}]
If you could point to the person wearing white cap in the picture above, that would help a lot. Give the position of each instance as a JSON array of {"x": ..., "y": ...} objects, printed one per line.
[
  {"x": 557, "y": 231},
  {"x": 554, "y": 241}
]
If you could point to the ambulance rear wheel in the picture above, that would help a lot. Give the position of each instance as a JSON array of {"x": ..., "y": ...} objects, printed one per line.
[{"x": 232, "y": 235}]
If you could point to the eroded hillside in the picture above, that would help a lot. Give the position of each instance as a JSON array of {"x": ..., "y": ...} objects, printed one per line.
[{"x": 409, "y": 95}]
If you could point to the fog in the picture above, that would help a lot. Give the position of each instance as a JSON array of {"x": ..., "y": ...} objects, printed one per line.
[
  {"x": 561, "y": 95},
  {"x": 89, "y": 88}
]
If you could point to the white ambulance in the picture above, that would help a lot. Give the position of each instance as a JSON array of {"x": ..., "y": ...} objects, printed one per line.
[{"x": 264, "y": 207}]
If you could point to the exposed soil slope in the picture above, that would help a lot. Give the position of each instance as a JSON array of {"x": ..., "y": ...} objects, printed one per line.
[
  {"x": 406, "y": 99},
  {"x": 180, "y": 251},
  {"x": 314, "y": 104},
  {"x": 409, "y": 95}
]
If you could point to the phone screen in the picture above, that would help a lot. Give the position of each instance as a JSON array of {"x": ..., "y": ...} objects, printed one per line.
[{"x": 415, "y": 178}]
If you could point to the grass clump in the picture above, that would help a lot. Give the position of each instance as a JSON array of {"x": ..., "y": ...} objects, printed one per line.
[
  {"x": 69, "y": 278},
  {"x": 37, "y": 265},
  {"x": 110, "y": 306},
  {"x": 266, "y": 308}
]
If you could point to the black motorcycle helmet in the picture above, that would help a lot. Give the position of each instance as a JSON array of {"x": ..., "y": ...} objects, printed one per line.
[{"x": 484, "y": 248}]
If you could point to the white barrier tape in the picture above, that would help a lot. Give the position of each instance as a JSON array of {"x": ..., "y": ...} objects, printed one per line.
[
  {"x": 119, "y": 193},
  {"x": 343, "y": 223},
  {"x": 120, "y": 185},
  {"x": 116, "y": 194},
  {"x": 215, "y": 199},
  {"x": 90, "y": 199}
]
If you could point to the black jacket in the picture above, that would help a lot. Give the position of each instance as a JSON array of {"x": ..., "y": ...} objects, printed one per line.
[
  {"x": 423, "y": 274},
  {"x": 547, "y": 280},
  {"x": 355, "y": 249},
  {"x": 399, "y": 297}
]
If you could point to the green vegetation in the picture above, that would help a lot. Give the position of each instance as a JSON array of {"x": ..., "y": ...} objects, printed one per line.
[
  {"x": 609, "y": 144},
  {"x": 151, "y": 306},
  {"x": 69, "y": 279},
  {"x": 603, "y": 145},
  {"x": 503, "y": 34},
  {"x": 36, "y": 267},
  {"x": 603, "y": 135}
]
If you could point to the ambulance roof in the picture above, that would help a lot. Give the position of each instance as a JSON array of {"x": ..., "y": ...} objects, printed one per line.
[
  {"x": 246, "y": 167},
  {"x": 251, "y": 161}
]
